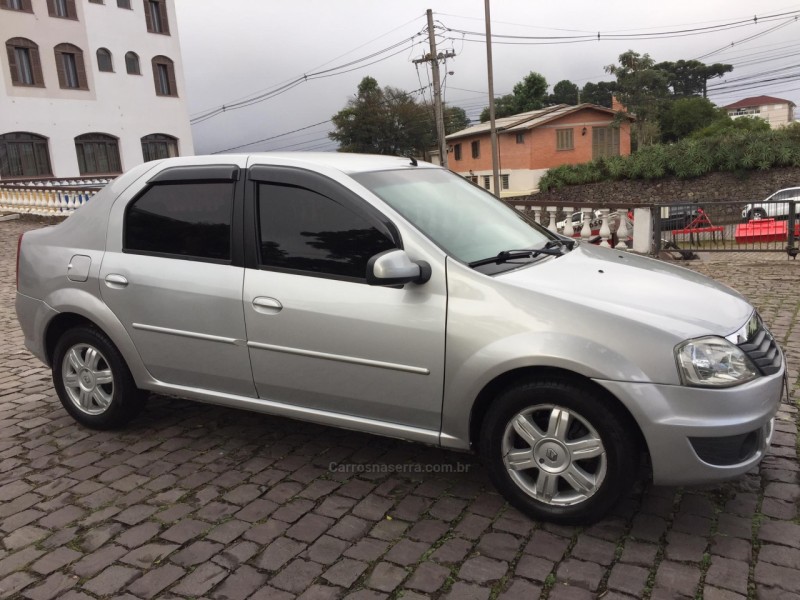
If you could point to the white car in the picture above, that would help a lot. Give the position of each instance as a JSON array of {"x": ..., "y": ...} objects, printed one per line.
[{"x": 775, "y": 206}]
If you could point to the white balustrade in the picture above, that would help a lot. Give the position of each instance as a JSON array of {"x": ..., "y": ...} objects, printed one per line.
[
  {"x": 622, "y": 229},
  {"x": 605, "y": 230},
  {"x": 569, "y": 230},
  {"x": 551, "y": 211},
  {"x": 586, "y": 230},
  {"x": 537, "y": 214},
  {"x": 40, "y": 199}
]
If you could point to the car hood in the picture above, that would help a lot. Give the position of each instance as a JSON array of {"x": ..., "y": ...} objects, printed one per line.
[{"x": 635, "y": 287}]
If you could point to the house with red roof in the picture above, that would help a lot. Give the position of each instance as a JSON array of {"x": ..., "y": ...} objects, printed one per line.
[
  {"x": 532, "y": 142},
  {"x": 775, "y": 111}
]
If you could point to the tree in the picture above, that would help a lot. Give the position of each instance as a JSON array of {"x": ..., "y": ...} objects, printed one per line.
[
  {"x": 598, "y": 93},
  {"x": 690, "y": 77},
  {"x": 455, "y": 119},
  {"x": 726, "y": 125},
  {"x": 528, "y": 94},
  {"x": 643, "y": 90},
  {"x": 382, "y": 121},
  {"x": 687, "y": 115},
  {"x": 564, "y": 92}
]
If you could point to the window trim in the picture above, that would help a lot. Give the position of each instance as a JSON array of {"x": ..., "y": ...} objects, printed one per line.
[
  {"x": 457, "y": 151},
  {"x": 158, "y": 138},
  {"x": 222, "y": 173},
  {"x": 70, "y": 10},
  {"x": 568, "y": 132},
  {"x": 16, "y": 43},
  {"x": 475, "y": 146},
  {"x": 319, "y": 184},
  {"x": 38, "y": 139},
  {"x": 520, "y": 137},
  {"x": 169, "y": 65},
  {"x": 80, "y": 66},
  {"x": 163, "y": 17},
  {"x": 106, "y": 53},
  {"x": 107, "y": 141},
  {"x": 138, "y": 71},
  {"x": 24, "y": 6}
]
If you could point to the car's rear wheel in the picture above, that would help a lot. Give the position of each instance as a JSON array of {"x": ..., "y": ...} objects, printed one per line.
[
  {"x": 92, "y": 380},
  {"x": 558, "y": 451},
  {"x": 757, "y": 213}
]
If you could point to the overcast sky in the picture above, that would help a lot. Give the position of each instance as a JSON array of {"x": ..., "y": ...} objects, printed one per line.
[{"x": 255, "y": 46}]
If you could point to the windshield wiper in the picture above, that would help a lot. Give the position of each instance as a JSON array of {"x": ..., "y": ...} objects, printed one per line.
[
  {"x": 507, "y": 255},
  {"x": 567, "y": 243}
]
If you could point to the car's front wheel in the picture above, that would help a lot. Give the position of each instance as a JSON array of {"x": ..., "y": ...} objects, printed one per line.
[
  {"x": 558, "y": 451},
  {"x": 92, "y": 380}
]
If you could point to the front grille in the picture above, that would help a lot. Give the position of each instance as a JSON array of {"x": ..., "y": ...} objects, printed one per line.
[{"x": 763, "y": 350}]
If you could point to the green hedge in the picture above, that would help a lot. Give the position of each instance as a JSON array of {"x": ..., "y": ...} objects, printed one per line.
[{"x": 735, "y": 151}]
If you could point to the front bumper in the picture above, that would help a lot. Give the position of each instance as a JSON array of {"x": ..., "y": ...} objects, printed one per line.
[{"x": 701, "y": 435}]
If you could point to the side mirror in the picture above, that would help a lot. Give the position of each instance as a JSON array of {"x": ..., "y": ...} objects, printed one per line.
[{"x": 393, "y": 267}]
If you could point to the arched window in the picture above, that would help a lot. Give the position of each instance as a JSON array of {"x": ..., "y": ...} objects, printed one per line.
[
  {"x": 70, "y": 68},
  {"x": 98, "y": 154},
  {"x": 159, "y": 145},
  {"x": 24, "y": 62},
  {"x": 164, "y": 76},
  {"x": 104, "y": 60},
  {"x": 24, "y": 154},
  {"x": 155, "y": 15},
  {"x": 64, "y": 9},
  {"x": 132, "y": 63}
]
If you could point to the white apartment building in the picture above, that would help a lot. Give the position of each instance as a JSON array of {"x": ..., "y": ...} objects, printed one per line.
[
  {"x": 775, "y": 111},
  {"x": 89, "y": 87}
]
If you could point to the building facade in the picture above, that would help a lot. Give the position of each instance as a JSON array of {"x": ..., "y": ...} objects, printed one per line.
[
  {"x": 775, "y": 111},
  {"x": 89, "y": 87},
  {"x": 530, "y": 143}
]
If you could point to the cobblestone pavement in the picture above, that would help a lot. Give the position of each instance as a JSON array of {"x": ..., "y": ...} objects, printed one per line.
[{"x": 197, "y": 501}]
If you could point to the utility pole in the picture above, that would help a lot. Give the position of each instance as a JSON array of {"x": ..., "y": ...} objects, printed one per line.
[
  {"x": 433, "y": 57},
  {"x": 492, "y": 127}
]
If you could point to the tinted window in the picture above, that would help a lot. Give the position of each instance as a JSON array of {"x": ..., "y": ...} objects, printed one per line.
[
  {"x": 303, "y": 230},
  {"x": 187, "y": 219}
]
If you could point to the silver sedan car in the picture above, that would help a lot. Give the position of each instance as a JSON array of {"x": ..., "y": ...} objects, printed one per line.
[{"x": 390, "y": 296}]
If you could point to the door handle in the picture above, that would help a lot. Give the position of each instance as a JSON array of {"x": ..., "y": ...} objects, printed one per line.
[
  {"x": 266, "y": 305},
  {"x": 116, "y": 281}
]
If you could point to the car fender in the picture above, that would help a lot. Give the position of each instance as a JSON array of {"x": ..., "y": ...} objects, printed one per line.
[
  {"x": 84, "y": 304},
  {"x": 567, "y": 352}
]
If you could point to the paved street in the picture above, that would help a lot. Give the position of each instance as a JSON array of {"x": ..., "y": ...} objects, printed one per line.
[{"x": 196, "y": 501}]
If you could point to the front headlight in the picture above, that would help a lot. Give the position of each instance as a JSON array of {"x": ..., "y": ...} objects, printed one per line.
[{"x": 713, "y": 362}]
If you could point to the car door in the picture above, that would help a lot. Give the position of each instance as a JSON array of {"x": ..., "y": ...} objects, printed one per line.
[
  {"x": 173, "y": 275},
  {"x": 319, "y": 336}
]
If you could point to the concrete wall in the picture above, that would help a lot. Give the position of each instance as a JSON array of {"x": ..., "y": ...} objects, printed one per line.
[
  {"x": 745, "y": 186},
  {"x": 118, "y": 104}
]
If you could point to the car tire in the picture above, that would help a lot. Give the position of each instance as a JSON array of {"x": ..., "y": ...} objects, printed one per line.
[
  {"x": 558, "y": 451},
  {"x": 757, "y": 213},
  {"x": 92, "y": 380}
]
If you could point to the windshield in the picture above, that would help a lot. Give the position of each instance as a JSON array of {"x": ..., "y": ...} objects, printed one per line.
[{"x": 461, "y": 218}]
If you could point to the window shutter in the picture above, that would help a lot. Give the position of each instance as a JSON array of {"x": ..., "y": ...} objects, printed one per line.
[
  {"x": 36, "y": 67},
  {"x": 147, "y": 18},
  {"x": 155, "y": 78},
  {"x": 71, "y": 12},
  {"x": 173, "y": 88},
  {"x": 162, "y": 9},
  {"x": 12, "y": 63},
  {"x": 81, "y": 68},
  {"x": 62, "y": 77}
]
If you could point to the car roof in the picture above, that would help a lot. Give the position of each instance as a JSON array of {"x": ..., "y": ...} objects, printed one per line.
[{"x": 341, "y": 161}]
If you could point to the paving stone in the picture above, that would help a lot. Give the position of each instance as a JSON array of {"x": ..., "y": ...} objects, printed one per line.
[
  {"x": 547, "y": 545},
  {"x": 55, "y": 560},
  {"x": 534, "y": 567},
  {"x": 677, "y": 577},
  {"x": 368, "y": 549},
  {"x": 452, "y": 551},
  {"x": 406, "y": 552},
  {"x": 712, "y": 593},
  {"x": 228, "y": 531},
  {"x": 729, "y": 574},
  {"x": 780, "y": 532},
  {"x": 629, "y": 579},
  {"x": 144, "y": 557},
  {"x": 521, "y": 590},
  {"x": 200, "y": 580},
  {"x": 386, "y": 577},
  {"x": 296, "y": 576},
  {"x": 778, "y": 555},
  {"x": 594, "y": 550},
  {"x": 309, "y": 527},
  {"x": 685, "y": 548},
  {"x": 136, "y": 536},
  {"x": 16, "y": 561},
  {"x": 265, "y": 532},
  {"x": 153, "y": 581},
  {"x": 327, "y": 550},
  {"x": 320, "y": 592},
  {"x": 53, "y": 587},
  {"x": 482, "y": 570},
  {"x": 185, "y": 530},
  {"x": 239, "y": 585},
  {"x": 428, "y": 577},
  {"x": 14, "y": 583},
  {"x": 467, "y": 591},
  {"x": 111, "y": 580},
  {"x": 278, "y": 553},
  {"x": 580, "y": 573},
  {"x": 777, "y": 576},
  {"x": 93, "y": 563},
  {"x": 345, "y": 572},
  {"x": 563, "y": 591},
  {"x": 195, "y": 554},
  {"x": 235, "y": 555}
]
